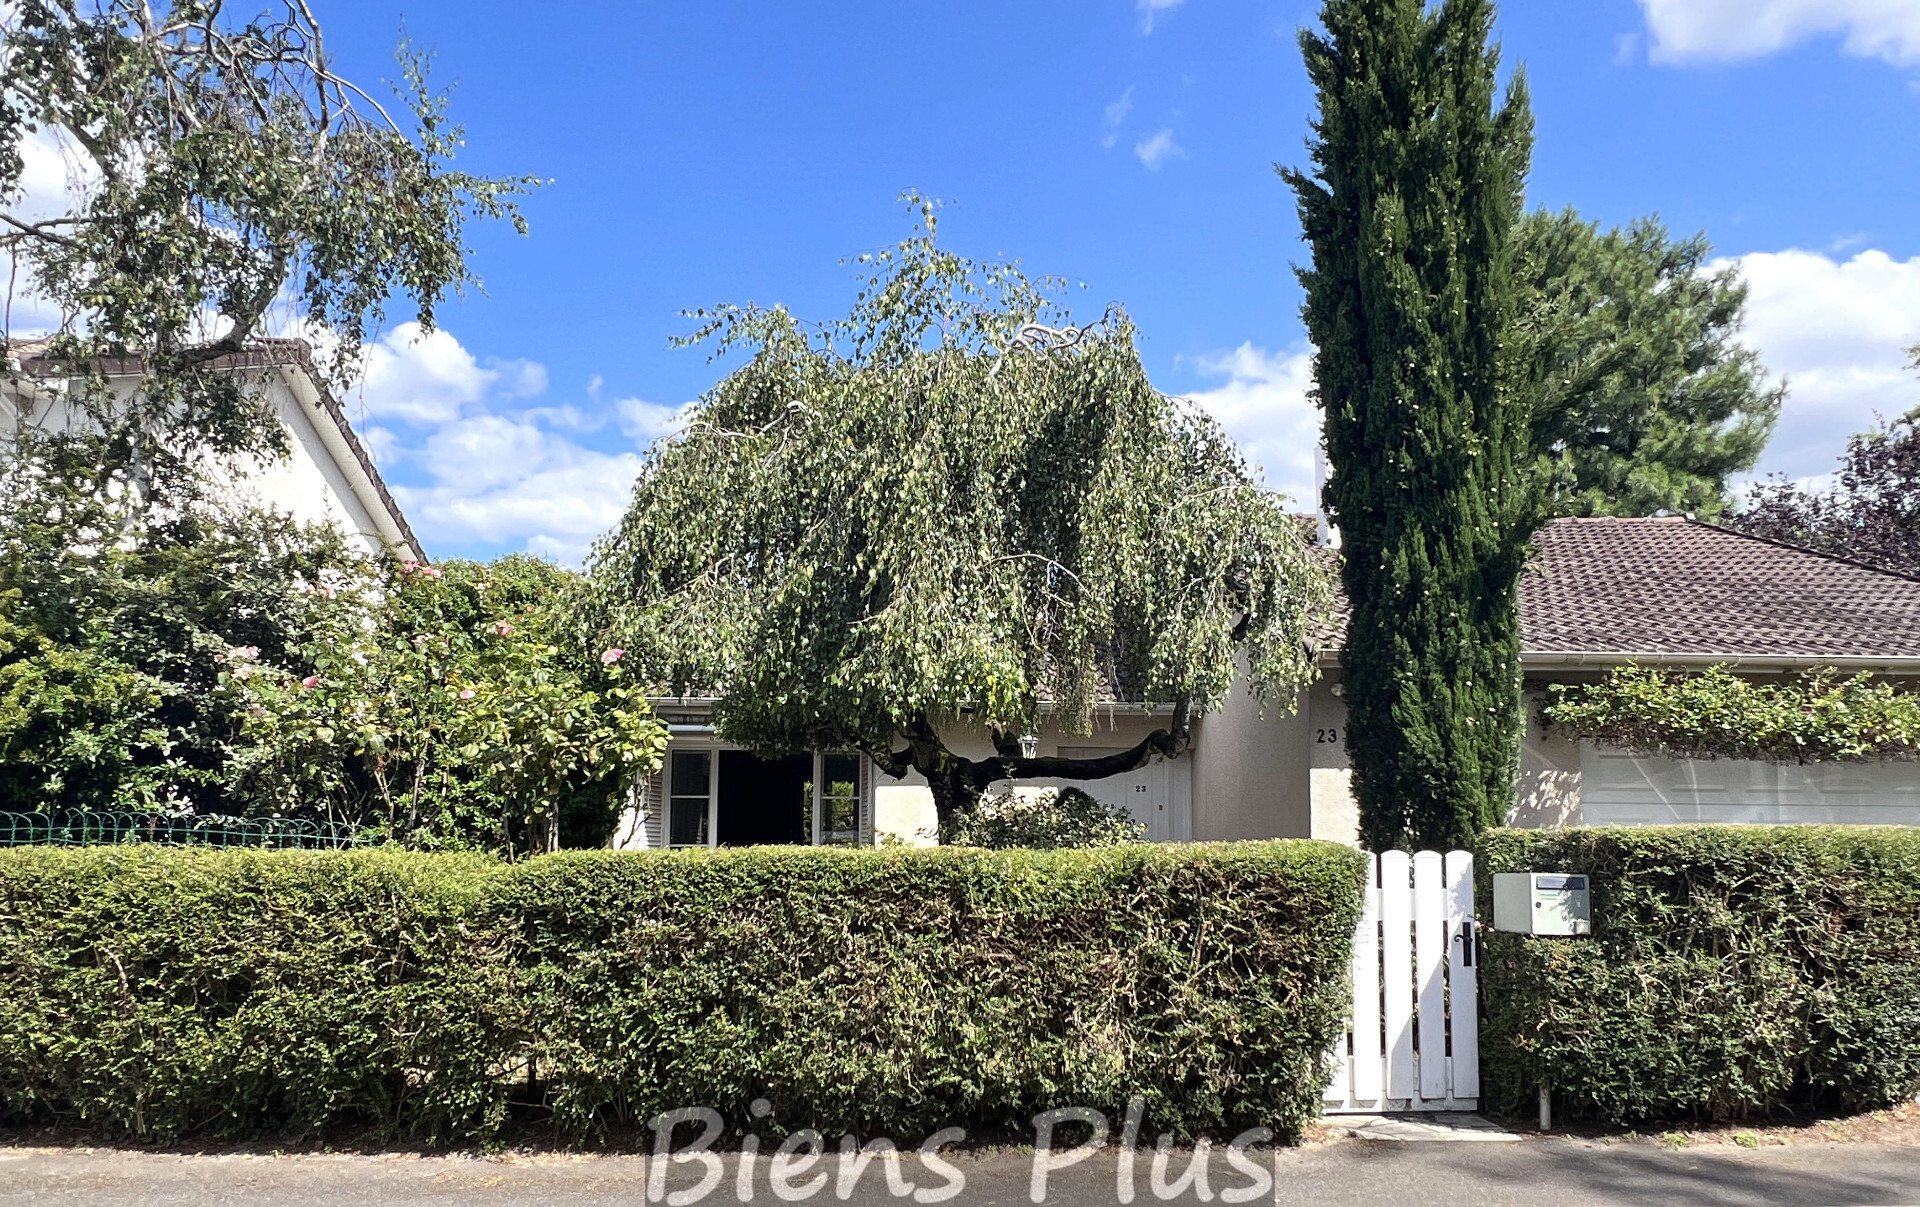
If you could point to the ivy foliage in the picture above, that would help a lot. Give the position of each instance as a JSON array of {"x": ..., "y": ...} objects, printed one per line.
[
  {"x": 444, "y": 706},
  {"x": 1418, "y": 169},
  {"x": 951, "y": 504},
  {"x": 1818, "y": 717},
  {"x": 219, "y": 168},
  {"x": 1642, "y": 399},
  {"x": 1733, "y": 972},
  {"x": 1049, "y": 818},
  {"x": 171, "y": 993}
]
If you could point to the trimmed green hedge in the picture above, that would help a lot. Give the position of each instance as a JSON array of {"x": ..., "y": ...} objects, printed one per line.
[
  {"x": 1733, "y": 972},
  {"x": 167, "y": 992}
]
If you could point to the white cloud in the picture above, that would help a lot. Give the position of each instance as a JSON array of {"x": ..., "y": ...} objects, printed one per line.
[
  {"x": 520, "y": 378},
  {"x": 507, "y": 481},
  {"x": 1688, "y": 30},
  {"x": 1154, "y": 150},
  {"x": 480, "y": 471},
  {"x": 555, "y": 508},
  {"x": 422, "y": 377},
  {"x": 1150, "y": 11},
  {"x": 1116, "y": 113},
  {"x": 1838, "y": 331},
  {"x": 1264, "y": 406},
  {"x": 647, "y": 421}
]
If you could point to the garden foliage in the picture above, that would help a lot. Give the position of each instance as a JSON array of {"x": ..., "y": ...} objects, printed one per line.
[
  {"x": 1871, "y": 513},
  {"x": 169, "y": 992},
  {"x": 1813, "y": 718},
  {"x": 215, "y": 659},
  {"x": 114, "y": 629},
  {"x": 1734, "y": 972},
  {"x": 1051, "y": 817},
  {"x": 446, "y": 706}
]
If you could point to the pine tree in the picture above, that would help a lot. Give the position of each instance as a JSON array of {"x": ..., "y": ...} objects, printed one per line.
[{"x": 1417, "y": 182}]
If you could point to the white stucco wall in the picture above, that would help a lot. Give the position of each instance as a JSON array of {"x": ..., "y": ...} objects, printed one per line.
[
  {"x": 1159, "y": 795},
  {"x": 318, "y": 481},
  {"x": 1547, "y": 793},
  {"x": 1248, "y": 777}
]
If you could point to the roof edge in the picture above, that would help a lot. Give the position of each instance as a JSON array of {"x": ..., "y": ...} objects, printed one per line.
[
  {"x": 1856, "y": 563},
  {"x": 335, "y": 412},
  {"x": 277, "y": 352},
  {"x": 1330, "y": 659}
]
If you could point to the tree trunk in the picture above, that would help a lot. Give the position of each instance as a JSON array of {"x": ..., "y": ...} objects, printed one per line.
[{"x": 956, "y": 783}]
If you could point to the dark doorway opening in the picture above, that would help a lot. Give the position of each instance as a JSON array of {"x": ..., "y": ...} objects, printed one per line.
[{"x": 765, "y": 801}]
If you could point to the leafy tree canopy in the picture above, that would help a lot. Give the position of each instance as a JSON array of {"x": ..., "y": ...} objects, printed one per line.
[
  {"x": 1641, "y": 398},
  {"x": 1870, "y": 514},
  {"x": 951, "y": 506},
  {"x": 220, "y": 167}
]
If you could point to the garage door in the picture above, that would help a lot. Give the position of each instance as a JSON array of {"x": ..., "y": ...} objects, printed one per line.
[{"x": 1619, "y": 789}]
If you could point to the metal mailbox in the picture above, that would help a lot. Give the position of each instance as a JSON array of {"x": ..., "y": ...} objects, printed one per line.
[{"x": 1542, "y": 903}]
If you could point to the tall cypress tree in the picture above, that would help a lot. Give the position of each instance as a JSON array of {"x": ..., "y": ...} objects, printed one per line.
[{"x": 1417, "y": 182}]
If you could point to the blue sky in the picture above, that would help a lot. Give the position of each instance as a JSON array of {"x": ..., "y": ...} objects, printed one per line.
[{"x": 738, "y": 151}]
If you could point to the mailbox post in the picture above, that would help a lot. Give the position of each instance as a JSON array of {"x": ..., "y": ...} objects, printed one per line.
[{"x": 1542, "y": 903}]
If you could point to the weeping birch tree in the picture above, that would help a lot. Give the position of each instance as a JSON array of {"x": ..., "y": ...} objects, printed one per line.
[{"x": 952, "y": 508}]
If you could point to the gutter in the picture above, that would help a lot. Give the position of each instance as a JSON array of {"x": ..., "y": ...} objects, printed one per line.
[
  {"x": 1536, "y": 660},
  {"x": 1885, "y": 664}
]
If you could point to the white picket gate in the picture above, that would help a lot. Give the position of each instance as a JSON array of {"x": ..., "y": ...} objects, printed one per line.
[{"x": 1413, "y": 1037}]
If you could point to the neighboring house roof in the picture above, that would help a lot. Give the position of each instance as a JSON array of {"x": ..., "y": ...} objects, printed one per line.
[
  {"x": 1676, "y": 591},
  {"x": 293, "y": 358},
  {"x": 1678, "y": 587}
]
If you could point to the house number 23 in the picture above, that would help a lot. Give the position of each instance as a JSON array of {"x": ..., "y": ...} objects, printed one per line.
[{"x": 1327, "y": 737}]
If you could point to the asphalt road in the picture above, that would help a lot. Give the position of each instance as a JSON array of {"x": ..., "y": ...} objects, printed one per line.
[{"x": 1535, "y": 1173}]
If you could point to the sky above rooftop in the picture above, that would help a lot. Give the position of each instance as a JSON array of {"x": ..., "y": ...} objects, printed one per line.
[{"x": 739, "y": 151}]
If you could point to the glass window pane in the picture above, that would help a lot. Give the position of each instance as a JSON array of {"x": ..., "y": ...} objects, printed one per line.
[
  {"x": 687, "y": 784},
  {"x": 689, "y": 776},
  {"x": 689, "y": 820},
  {"x": 840, "y": 800}
]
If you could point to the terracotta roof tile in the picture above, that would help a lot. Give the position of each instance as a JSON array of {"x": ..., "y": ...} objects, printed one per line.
[
  {"x": 1678, "y": 586},
  {"x": 1637, "y": 587}
]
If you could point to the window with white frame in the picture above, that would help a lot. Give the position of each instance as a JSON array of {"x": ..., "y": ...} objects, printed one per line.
[
  {"x": 836, "y": 813},
  {"x": 689, "y": 798}
]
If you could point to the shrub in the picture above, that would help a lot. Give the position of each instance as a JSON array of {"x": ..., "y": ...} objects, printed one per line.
[
  {"x": 890, "y": 992},
  {"x": 1050, "y": 818},
  {"x": 161, "y": 991},
  {"x": 447, "y": 708},
  {"x": 1733, "y": 972}
]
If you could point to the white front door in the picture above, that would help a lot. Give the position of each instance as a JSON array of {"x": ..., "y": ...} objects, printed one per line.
[{"x": 1144, "y": 794}]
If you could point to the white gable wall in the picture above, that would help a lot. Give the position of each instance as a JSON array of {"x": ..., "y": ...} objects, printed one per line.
[{"x": 320, "y": 480}]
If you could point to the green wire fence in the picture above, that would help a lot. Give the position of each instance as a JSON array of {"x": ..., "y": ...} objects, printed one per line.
[{"x": 74, "y": 829}]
